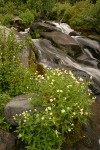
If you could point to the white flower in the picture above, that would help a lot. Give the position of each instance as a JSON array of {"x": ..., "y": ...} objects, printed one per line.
[
  {"x": 81, "y": 109},
  {"x": 69, "y": 130},
  {"x": 20, "y": 135},
  {"x": 51, "y": 114},
  {"x": 56, "y": 133},
  {"x": 63, "y": 111},
  {"x": 46, "y": 109},
  {"x": 35, "y": 110},
  {"x": 49, "y": 108},
  {"x": 57, "y": 91},
  {"x": 42, "y": 118},
  {"x": 86, "y": 113},
  {"x": 51, "y": 83},
  {"x": 51, "y": 100},
  {"x": 68, "y": 108},
  {"x": 60, "y": 91},
  {"x": 80, "y": 79},
  {"x": 53, "y": 80},
  {"x": 74, "y": 113},
  {"x": 24, "y": 120},
  {"x": 81, "y": 112}
]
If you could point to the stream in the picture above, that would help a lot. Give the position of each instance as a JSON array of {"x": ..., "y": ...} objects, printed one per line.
[{"x": 85, "y": 65}]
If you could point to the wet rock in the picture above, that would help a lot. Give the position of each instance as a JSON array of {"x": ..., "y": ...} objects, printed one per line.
[
  {"x": 43, "y": 25},
  {"x": 17, "y": 23},
  {"x": 7, "y": 140},
  {"x": 64, "y": 42},
  {"x": 75, "y": 33},
  {"x": 48, "y": 55},
  {"x": 97, "y": 38},
  {"x": 17, "y": 105},
  {"x": 15, "y": 20}
]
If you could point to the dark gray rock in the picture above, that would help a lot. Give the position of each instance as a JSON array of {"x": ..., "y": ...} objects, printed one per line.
[
  {"x": 17, "y": 105},
  {"x": 7, "y": 140},
  {"x": 63, "y": 41},
  {"x": 75, "y": 33},
  {"x": 43, "y": 25}
]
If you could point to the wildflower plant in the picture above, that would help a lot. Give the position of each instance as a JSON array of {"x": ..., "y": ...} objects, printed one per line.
[
  {"x": 14, "y": 78},
  {"x": 66, "y": 106}
]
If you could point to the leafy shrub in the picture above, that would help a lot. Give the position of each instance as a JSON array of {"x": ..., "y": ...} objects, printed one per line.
[
  {"x": 42, "y": 8},
  {"x": 62, "y": 11},
  {"x": 5, "y": 19},
  {"x": 4, "y": 98},
  {"x": 94, "y": 13},
  {"x": 61, "y": 106},
  {"x": 27, "y": 17},
  {"x": 80, "y": 17},
  {"x": 14, "y": 79}
]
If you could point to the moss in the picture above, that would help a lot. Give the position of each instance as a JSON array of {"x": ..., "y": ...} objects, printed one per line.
[
  {"x": 36, "y": 32},
  {"x": 32, "y": 62},
  {"x": 72, "y": 138}
]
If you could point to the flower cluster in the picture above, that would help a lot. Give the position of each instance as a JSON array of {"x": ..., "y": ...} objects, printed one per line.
[{"x": 65, "y": 103}]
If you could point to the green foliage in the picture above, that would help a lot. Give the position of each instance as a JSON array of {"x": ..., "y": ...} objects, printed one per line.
[
  {"x": 27, "y": 17},
  {"x": 61, "y": 106},
  {"x": 5, "y": 19},
  {"x": 36, "y": 32},
  {"x": 80, "y": 17},
  {"x": 94, "y": 13},
  {"x": 1, "y": 3},
  {"x": 4, "y": 98},
  {"x": 42, "y": 8},
  {"x": 62, "y": 11},
  {"x": 14, "y": 79}
]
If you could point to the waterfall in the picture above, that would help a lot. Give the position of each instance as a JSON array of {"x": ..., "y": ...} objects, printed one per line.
[{"x": 52, "y": 56}]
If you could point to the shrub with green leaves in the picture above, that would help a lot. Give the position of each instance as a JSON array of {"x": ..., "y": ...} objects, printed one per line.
[
  {"x": 62, "y": 11},
  {"x": 4, "y": 98},
  {"x": 60, "y": 107},
  {"x": 14, "y": 79},
  {"x": 27, "y": 17}
]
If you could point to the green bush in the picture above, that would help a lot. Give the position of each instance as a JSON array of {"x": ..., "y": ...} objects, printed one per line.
[
  {"x": 42, "y": 8},
  {"x": 4, "y": 98},
  {"x": 27, "y": 17},
  {"x": 61, "y": 106},
  {"x": 80, "y": 18},
  {"x": 94, "y": 13},
  {"x": 14, "y": 79},
  {"x": 61, "y": 11},
  {"x": 5, "y": 19}
]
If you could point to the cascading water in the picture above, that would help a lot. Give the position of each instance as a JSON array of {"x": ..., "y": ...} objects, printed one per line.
[
  {"x": 65, "y": 28},
  {"x": 49, "y": 55}
]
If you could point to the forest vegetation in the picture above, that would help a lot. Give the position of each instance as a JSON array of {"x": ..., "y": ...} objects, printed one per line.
[{"x": 79, "y": 14}]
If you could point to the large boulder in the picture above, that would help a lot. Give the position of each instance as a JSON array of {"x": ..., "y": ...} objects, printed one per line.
[
  {"x": 17, "y": 23},
  {"x": 43, "y": 25},
  {"x": 17, "y": 105},
  {"x": 63, "y": 41},
  {"x": 7, "y": 140}
]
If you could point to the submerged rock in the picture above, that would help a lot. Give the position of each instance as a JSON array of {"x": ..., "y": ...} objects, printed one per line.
[
  {"x": 64, "y": 42},
  {"x": 43, "y": 25}
]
